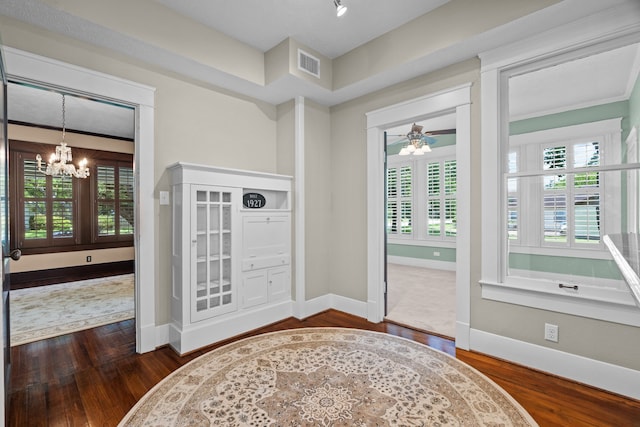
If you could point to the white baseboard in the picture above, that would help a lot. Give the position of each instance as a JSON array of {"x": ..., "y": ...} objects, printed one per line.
[
  {"x": 316, "y": 305},
  {"x": 162, "y": 335},
  {"x": 147, "y": 339},
  {"x": 420, "y": 262},
  {"x": 598, "y": 374},
  {"x": 462, "y": 335},
  {"x": 309, "y": 308},
  {"x": 336, "y": 302},
  {"x": 349, "y": 305},
  {"x": 201, "y": 334}
]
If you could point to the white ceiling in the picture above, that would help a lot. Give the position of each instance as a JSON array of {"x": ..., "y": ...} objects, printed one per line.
[
  {"x": 596, "y": 79},
  {"x": 264, "y": 23},
  {"x": 36, "y": 105}
]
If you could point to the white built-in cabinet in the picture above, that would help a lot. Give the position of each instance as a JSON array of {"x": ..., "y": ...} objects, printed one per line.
[{"x": 231, "y": 253}]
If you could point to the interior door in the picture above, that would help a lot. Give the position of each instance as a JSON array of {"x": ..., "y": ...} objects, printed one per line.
[
  {"x": 4, "y": 238},
  {"x": 386, "y": 283}
]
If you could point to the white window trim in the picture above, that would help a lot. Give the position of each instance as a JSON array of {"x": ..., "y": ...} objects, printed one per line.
[
  {"x": 542, "y": 50},
  {"x": 633, "y": 205}
]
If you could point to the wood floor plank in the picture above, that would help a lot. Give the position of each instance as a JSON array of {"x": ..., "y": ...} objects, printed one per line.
[
  {"x": 93, "y": 377},
  {"x": 64, "y": 407}
]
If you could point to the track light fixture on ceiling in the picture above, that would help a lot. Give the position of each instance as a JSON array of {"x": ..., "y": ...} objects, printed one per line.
[
  {"x": 340, "y": 8},
  {"x": 57, "y": 164},
  {"x": 418, "y": 142}
]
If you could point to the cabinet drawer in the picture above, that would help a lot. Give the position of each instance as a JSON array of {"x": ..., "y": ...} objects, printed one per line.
[{"x": 265, "y": 262}]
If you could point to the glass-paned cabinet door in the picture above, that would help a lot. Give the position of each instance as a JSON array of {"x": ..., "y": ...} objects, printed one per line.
[{"x": 213, "y": 282}]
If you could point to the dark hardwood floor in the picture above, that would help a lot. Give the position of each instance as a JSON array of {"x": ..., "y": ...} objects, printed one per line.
[{"x": 93, "y": 378}]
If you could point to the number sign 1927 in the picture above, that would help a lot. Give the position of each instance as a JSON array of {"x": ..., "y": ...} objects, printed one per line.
[{"x": 253, "y": 200}]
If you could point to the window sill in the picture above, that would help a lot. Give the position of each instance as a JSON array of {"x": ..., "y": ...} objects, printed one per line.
[
  {"x": 591, "y": 253},
  {"x": 429, "y": 243},
  {"x": 73, "y": 248},
  {"x": 592, "y": 302}
]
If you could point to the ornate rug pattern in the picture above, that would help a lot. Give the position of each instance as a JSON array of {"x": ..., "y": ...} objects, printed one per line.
[
  {"x": 326, "y": 377},
  {"x": 53, "y": 310}
]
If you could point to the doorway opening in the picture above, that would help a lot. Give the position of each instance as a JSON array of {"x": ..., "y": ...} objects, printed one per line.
[
  {"x": 421, "y": 225},
  {"x": 75, "y": 233},
  {"x": 455, "y": 100},
  {"x": 44, "y": 71}
]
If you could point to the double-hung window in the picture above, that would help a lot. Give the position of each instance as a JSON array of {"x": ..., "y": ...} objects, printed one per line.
[
  {"x": 62, "y": 213},
  {"x": 113, "y": 207},
  {"x": 555, "y": 189},
  {"x": 421, "y": 197},
  {"x": 557, "y": 180},
  {"x": 400, "y": 200},
  {"x": 441, "y": 198},
  {"x": 48, "y": 207}
]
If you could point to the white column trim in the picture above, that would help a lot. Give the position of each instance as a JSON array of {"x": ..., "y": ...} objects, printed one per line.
[
  {"x": 26, "y": 66},
  {"x": 299, "y": 212},
  {"x": 463, "y": 241}
]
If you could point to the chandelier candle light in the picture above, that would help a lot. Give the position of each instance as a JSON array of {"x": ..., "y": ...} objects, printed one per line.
[{"x": 60, "y": 161}]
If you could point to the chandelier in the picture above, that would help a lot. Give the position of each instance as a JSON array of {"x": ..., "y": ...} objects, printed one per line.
[
  {"x": 60, "y": 161},
  {"x": 418, "y": 143}
]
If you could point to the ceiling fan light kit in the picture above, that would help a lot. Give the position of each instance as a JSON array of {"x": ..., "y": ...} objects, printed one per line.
[{"x": 418, "y": 144}]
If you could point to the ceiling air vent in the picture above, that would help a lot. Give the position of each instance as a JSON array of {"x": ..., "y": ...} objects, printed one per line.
[{"x": 308, "y": 63}]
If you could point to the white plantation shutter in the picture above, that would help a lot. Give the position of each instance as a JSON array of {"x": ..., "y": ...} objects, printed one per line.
[
  {"x": 571, "y": 198},
  {"x": 441, "y": 198},
  {"x": 433, "y": 199},
  {"x": 400, "y": 200}
]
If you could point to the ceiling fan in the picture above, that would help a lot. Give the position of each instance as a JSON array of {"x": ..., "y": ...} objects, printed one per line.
[{"x": 418, "y": 143}]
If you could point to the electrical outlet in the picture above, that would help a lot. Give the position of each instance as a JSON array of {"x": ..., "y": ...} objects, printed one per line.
[
  {"x": 551, "y": 332},
  {"x": 164, "y": 197},
  {"x": 436, "y": 253},
  {"x": 88, "y": 258}
]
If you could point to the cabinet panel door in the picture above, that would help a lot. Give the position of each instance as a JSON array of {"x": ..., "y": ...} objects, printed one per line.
[
  {"x": 266, "y": 236},
  {"x": 254, "y": 288},
  {"x": 213, "y": 230},
  {"x": 279, "y": 284}
]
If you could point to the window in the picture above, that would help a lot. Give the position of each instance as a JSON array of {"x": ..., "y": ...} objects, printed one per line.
[
  {"x": 52, "y": 214},
  {"x": 48, "y": 207},
  {"x": 555, "y": 189},
  {"x": 555, "y": 182},
  {"x": 428, "y": 211},
  {"x": 113, "y": 208},
  {"x": 441, "y": 198},
  {"x": 400, "y": 200}
]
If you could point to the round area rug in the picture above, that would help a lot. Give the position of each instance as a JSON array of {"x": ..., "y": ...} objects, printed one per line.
[{"x": 326, "y": 377}]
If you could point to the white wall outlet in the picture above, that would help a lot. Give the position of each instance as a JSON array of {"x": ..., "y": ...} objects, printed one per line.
[
  {"x": 436, "y": 253},
  {"x": 551, "y": 332},
  {"x": 164, "y": 197}
]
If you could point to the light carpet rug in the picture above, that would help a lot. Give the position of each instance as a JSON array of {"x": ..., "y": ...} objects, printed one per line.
[
  {"x": 422, "y": 298},
  {"x": 326, "y": 377},
  {"x": 53, "y": 310}
]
